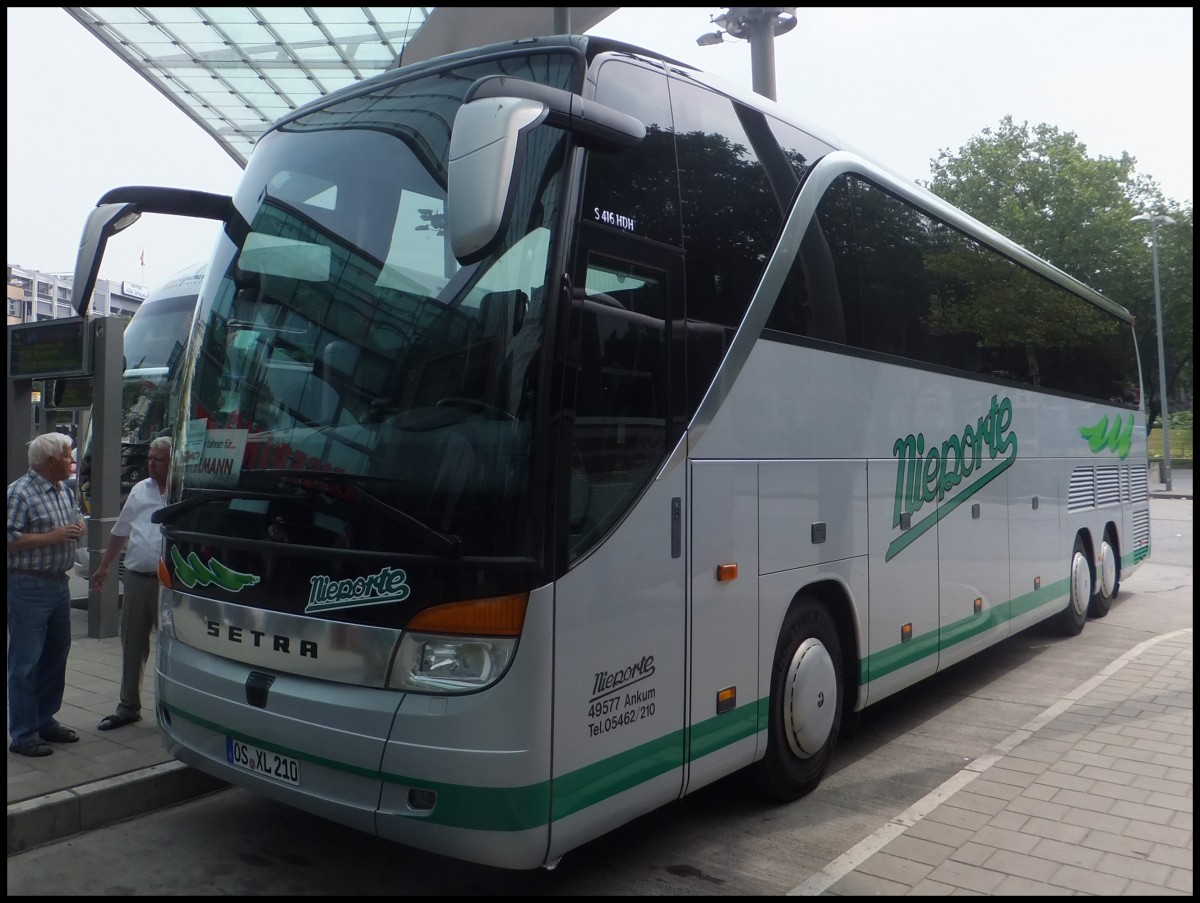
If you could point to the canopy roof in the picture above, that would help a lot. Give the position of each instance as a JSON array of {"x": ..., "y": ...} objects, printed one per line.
[{"x": 235, "y": 70}]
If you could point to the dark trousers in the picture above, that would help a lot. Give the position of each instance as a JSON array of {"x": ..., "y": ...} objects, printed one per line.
[
  {"x": 139, "y": 615},
  {"x": 39, "y": 639}
]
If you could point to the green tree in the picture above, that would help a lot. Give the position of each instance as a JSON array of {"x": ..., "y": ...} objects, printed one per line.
[{"x": 1038, "y": 186}]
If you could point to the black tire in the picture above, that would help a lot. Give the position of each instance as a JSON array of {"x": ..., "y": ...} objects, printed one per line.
[
  {"x": 1080, "y": 581},
  {"x": 806, "y": 703},
  {"x": 1108, "y": 576}
]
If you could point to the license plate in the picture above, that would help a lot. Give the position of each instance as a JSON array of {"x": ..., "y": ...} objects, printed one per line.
[{"x": 262, "y": 761}]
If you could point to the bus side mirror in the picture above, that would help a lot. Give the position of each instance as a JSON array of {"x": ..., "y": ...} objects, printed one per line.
[
  {"x": 486, "y": 146},
  {"x": 120, "y": 208},
  {"x": 103, "y": 222}
]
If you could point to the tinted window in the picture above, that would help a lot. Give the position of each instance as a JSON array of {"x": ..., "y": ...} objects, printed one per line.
[
  {"x": 620, "y": 428},
  {"x": 801, "y": 149},
  {"x": 819, "y": 298},
  {"x": 875, "y": 272},
  {"x": 730, "y": 213},
  {"x": 635, "y": 190}
]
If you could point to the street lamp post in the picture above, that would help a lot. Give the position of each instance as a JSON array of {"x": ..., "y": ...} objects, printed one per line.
[
  {"x": 1164, "y": 471},
  {"x": 762, "y": 25}
]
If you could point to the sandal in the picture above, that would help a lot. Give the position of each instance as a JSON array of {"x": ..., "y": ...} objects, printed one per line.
[
  {"x": 60, "y": 734},
  {"x": 111, "y": 721},
  {"x": 31, "y": 748}
]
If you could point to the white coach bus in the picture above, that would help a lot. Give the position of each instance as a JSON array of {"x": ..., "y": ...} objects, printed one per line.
[
  {"x": 153, "y": 350},
  {"x": 563, "y": 430}
]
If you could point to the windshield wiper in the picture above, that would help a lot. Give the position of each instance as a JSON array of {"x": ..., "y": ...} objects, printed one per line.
[
  {"x": 445, "y": 543},
  {"x": 168, "y": 513}
]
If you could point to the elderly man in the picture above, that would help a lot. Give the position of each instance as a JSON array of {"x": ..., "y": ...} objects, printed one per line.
[
  {"x": 142, "y": 540},
  {"x": 44, "y": 525}
]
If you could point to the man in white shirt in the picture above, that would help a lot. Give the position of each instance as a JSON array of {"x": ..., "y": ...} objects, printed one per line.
[{"x": 139, "y": 610}]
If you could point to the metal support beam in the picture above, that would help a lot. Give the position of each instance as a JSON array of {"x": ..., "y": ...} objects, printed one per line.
[{"x": 108, "y": 350}]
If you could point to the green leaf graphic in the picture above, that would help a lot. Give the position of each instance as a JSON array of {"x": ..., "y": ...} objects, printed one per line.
[
  {"x": 192, "y": 571},
  {"x": 1117, "y": 439}
]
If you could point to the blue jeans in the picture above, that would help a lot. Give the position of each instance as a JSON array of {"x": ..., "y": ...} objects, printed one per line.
[{"x": 39, "y": 638}]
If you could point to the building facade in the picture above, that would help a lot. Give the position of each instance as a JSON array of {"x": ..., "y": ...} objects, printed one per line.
[{"x": 34, "y": 295}]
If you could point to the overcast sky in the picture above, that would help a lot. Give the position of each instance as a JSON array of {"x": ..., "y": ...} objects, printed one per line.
[{"x": 898, "y": 84}]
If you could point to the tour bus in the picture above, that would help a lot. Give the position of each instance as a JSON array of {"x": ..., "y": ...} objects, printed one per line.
[
  {"x": 563, "y": 430},
  {"x": 153, "y": 347}
]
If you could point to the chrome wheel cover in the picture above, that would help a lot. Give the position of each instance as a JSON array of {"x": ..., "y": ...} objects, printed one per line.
[
  {"x": 811, "y": 701},
  {"x": 1081, "y": 583},
  {"x": 1108, "y": 569}
]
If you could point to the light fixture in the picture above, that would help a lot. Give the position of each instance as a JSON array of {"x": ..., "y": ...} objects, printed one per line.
[{"x": 761, "y": 25}]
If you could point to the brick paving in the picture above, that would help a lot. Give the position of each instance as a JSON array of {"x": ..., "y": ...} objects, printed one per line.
[{"x": 1094, "y": 796}]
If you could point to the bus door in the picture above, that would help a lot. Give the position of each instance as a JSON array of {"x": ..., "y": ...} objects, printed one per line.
[
  {"x": 723, "y": 613},
  {"x": 619, "y": 658}
]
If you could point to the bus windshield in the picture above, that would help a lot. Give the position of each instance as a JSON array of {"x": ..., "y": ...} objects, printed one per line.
[
  {"x": 340, "y": 336},
  {"x": 154, "y": 342}
]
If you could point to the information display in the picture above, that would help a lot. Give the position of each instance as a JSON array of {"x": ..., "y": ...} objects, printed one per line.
[
  {"x": 69, "y": 394},
  {"x": 49, "y": 349}
]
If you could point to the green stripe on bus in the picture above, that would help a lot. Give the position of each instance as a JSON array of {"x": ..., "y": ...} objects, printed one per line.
[
  {"x": 595, "y": 783},
  {"x": 526, "y": 807},
  {"x": 884, "y": 662},
  {"x": 459, "y": 805}
]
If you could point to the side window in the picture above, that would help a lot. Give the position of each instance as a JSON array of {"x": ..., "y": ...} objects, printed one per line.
[
  {"x": 801, "y": 149},
  {"x": 895, "y": 242},
  {"x": 635, "y": 190},
  {"x": 933, "y": 294},
  {"x": 730, "y": 214},
  {"x": 622, "y": 394},
  {"x": 819, "y": 298}
]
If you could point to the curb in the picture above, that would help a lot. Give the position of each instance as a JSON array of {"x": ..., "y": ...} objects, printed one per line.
[{"x": 37, "y": 821}]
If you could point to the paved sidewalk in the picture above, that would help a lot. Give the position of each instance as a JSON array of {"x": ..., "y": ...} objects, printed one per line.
[
  {"x": 1094, "y": 796},
  {"x": 1181, "y": 483},
  {"x": 107, "y": 776}
]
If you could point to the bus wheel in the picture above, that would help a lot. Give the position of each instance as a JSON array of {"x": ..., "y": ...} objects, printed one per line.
[
  {"x": 1079, "y": 592},
  {"x": 1108, "y": 577},
  {"x": 806, "y": 703}
]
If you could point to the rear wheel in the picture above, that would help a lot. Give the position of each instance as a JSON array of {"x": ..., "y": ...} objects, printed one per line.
[
  {"x": 1108, "y": 576},
  {"x": 806, "y": 703},
  {"x": 1079, "y": 593}
]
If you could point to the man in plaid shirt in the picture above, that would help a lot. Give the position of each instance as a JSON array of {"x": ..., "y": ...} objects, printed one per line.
[{"x": 44, "y": 526}]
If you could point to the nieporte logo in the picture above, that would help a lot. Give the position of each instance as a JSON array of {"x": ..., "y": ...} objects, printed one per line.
[
  {"x": 605, "y": 682},
  {"x": 389, "y": 585},
  {"x": 932, "y": 473}
]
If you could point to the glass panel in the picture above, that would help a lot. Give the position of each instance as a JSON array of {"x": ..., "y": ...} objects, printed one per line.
[
  {"x": 730, "y": 213},
  {"x": 933, "y": 294},
  {"x": 621, "y": 411},
  {"x": 343, "y": 338}
]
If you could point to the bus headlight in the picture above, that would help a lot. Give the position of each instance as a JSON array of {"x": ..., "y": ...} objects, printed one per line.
[
  {"x": 449, "y": 664},
  {"x": 460, "y": 646}
]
